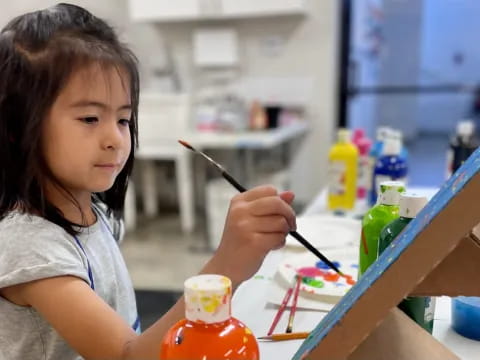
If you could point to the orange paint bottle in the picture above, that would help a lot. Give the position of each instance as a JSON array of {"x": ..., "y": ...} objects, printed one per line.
[{"x": 209, "y": 332}]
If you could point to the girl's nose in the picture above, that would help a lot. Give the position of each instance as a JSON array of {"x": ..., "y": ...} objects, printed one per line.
[{"x": 112, "y": 136}]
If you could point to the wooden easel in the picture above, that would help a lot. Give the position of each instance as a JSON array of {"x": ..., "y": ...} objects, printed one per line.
[{"x": 441, "y": 258}]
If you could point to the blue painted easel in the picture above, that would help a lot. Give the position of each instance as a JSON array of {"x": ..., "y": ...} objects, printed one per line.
[{"x": 437, "y": 254}]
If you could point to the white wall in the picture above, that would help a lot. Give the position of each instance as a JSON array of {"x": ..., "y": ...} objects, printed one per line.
[
  {"x": 310, "y": 49},
  {"x": 449, "y": 27}
]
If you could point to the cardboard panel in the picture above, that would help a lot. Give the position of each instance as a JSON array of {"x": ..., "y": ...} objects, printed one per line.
[
  {"x": 456, "y": 275},
  {"x": 400, "y": 338}
]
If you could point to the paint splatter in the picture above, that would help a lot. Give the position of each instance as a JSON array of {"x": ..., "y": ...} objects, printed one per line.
[
  {"x": 331, "y": 276},
  {"x": 313, "y": 282},
  {"x": 364, "y": 243},
  {"x": 259, "y": 277},
  {"x": 324, "y": 266},
  {"x": 349, "y": 279},
  {"x": 309, "y": 272}
]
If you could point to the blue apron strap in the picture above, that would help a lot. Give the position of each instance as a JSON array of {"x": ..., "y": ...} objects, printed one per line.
[
  {"x": 136, "y": 325},
  {"x": 89, "y": 268}
]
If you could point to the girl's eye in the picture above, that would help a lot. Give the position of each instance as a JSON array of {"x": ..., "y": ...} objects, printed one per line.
[
  {"x": 124, "y": 122},
  {"x": 89, "y": 119}
]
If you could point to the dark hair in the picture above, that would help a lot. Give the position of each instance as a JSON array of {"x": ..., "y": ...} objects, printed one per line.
[{"x": 38, "y": 53}]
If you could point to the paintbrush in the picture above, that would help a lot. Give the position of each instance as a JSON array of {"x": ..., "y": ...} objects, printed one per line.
[
  {"x": 240, "y": 188},
  {"x": 289, "y": 336},
  {"x": 293, "y": 308}
]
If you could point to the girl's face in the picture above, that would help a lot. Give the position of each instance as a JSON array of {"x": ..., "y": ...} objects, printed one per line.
[{"x": 86, "y": 137}]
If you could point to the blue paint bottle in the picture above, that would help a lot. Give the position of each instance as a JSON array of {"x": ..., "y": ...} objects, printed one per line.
[
  {"x": 391, "y": 166},
  {"x": 374, "y": 155}
]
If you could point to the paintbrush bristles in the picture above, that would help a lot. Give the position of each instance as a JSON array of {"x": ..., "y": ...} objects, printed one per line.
[
  {"x": 190, "y": 147},
  {"x": 187, "y": 145}
]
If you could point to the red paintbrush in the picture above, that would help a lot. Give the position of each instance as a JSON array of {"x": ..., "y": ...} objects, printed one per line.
[
  {"x": 293, "y": 308},
  {"x": 280, "y": 311}
]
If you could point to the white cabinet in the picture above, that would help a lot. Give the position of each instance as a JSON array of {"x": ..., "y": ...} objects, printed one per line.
[
  {"x": 244, "y": 8},
  {"x": 164, "y": 10},
  {"x": 188, "y": 10}
]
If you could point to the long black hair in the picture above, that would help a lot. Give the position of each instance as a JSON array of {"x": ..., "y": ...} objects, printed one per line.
[{"x": 39, "y": 51}]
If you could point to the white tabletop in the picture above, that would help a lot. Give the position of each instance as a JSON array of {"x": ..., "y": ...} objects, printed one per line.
[
  {"x": 261, "y": 139},
  {"x": 250, "y": 306}
]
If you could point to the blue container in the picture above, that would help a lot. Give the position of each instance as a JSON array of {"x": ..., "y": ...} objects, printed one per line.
[
  {"x": 388, "y": 168},
  {"x": 466, "y": 316}
]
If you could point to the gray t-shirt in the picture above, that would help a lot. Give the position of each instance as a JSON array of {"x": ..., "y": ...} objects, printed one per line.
[{"x": 33, "y": 248}]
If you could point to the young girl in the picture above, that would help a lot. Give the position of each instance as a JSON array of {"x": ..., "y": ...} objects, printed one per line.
[{"x": 68, "y": 127}]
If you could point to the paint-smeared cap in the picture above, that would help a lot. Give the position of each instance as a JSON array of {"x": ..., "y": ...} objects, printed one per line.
[
  {"x": 411, "y": 204},
  {"x": 343, "y": 135},
  {"x": 390, "y": 191},
  {"x": 208, "y": 298}
]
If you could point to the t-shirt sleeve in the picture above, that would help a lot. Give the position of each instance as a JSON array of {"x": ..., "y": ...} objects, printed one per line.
[
  {"x": 116, "y": 225},
  {"x": 33, "y": 250}
]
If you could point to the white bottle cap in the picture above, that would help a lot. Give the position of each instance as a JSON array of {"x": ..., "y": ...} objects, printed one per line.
[
  {"x": 390, "y": 191},
  {"x": 465, "y": 128},
  {"x": 392, "y": 146},
  {"x": 343, "y": 135},
  {"x": 411, "y": 204},
  {"x": 208, "y": 298},
  {"x": 382, "y": 133}
]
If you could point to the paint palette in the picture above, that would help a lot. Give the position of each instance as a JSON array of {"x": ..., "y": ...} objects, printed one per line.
[
  {"x": 327, "y": 231},
  {"x": 319, "y": 281}
]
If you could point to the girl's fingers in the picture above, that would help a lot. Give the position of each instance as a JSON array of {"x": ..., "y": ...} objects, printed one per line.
[
  {"x": 273, "y": 205},
  {"x": 258, "y": 192},
  {"x": 270, "y": 241},
  {"x": 269, "y": 224},
  {"x": 287, "y": 196}
]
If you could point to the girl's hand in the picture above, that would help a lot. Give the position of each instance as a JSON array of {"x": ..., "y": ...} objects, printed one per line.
[{"x": 258, "y": 221}]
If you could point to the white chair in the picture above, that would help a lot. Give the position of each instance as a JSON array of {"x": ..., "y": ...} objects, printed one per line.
[{"x": 162, "y": 120}]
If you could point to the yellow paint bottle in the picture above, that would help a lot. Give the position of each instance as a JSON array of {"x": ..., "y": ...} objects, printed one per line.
[{"x": 342, "y": 173}]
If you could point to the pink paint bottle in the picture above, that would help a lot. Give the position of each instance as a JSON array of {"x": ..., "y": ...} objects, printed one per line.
[{"x": 364, "y": 168}]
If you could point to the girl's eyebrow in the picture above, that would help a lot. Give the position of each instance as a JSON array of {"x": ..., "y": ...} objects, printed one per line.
[{"x": 87, "y": 103}]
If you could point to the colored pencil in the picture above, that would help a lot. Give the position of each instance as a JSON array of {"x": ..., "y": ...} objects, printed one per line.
[
  {"x": 293, "y": 308},
  {"x": 280, "y": 311},
  {"x": 240, "y": 188},
  {"x": 282, "y": 337}
]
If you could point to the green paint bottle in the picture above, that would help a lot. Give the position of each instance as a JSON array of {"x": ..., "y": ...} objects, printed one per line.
[
  {"x": 419, "y": 309},
  {"x": 376, "y": 218}
]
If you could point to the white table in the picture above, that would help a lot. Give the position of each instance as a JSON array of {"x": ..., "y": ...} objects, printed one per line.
[
  {"x": 250, "y": 306},
  {"x": 169, "y": 148}
]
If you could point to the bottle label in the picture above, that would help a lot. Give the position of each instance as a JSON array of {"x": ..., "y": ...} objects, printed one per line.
[
  {"x": 336, "y": 177},
  {"x": 364, "y": 172},
  {"x": 429, "y": 309},
  {"x": 449, "y": 169},
  {"x": 381, "y": 178}
]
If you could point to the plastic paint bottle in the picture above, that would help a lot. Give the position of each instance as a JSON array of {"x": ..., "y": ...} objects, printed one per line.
[
  {"x": 461, "y": 146},
  {"x": 375, "y": 220},
  {"x": 375, "y": 153},
  {"x": 364, "y": 169},
  {"x": 419, "y": 309},
  {"x": 343, "y": 163},
  {"x": 390, "y": 166},
  {"x": 209, "y": 332}
]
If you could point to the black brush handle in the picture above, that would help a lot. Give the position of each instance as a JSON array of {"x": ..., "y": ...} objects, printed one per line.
[
  {"x": 314, "y": 250},
  {"x": 233, "y": 182},
  {"x": 295, "y": 234}
]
